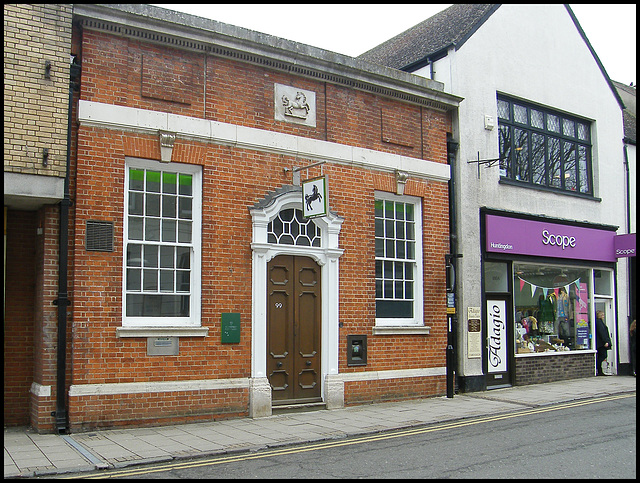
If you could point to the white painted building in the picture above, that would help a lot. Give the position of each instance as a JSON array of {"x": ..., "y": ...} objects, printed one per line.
[{"x": 539, "y": 151}]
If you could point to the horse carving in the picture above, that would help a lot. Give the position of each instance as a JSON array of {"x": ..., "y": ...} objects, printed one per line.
[{"x": 300, "y": 103}]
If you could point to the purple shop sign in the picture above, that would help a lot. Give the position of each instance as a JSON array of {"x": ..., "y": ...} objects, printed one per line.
[
  {"x": 537, "y": 238},
  {"x": 625, "y": 245}
]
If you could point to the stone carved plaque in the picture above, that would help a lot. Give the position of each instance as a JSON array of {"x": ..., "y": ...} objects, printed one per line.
[{"x": 295, "y": 105}]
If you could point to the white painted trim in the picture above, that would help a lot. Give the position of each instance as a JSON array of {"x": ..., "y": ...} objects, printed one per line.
[
  {"x": 401, "y": 330},
  {"x": 161, "y": 331},
  {"x": 155, "y": 387},
  {"x": 40, "y": 390},
  {"x": 109, "y": 116},
  {"x": 327, "y": 256},
  {"x": 391, "y": 374}
]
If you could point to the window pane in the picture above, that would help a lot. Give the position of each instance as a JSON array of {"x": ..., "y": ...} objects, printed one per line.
[
  {"x": 152, "y": 207},
  {"x": 378, "y": 208},
  {"x": 183, "y": 259},
  {"x": 134, "y": 279},
  {"x": 150, "y": 280},
  {"x": 135, "y": 228},
  {"x": 184, "y": 209},
  {"x": 152, "y": 229},
  {"x": 394, "y": 309},
  {"x": 153, "y": 181},
  {"x": 568, "y": 128},
  {"x": 168, "y": 206},
  {"x": 504, "y": 140},
  {"x": 182, "y": 281},
  {"x": 157, "y": 305},
  {"x": 136, "y": 179},
  {"x": 168, "y": 230},
  {"x": 503, "y": 109},
  {"x": 166, "y": 280},
  {"x": 553, "y": 150},
  {"x": 185, "y": 181},
  {"x": 134, "y": 255},
  {"x": 410, "y": 210},
  {"x": 583, "y": 133},
  {"x": 569, "y": 166},
  {"x": 520, "y": 114},
  {"x": 150, "y": 255},
  {"x": 167, "y": 257},
  {"x": 537, "y": 119},
  {"x": 537, "y": 158},
  {"x": 169, "y": 182},
  {"x": 521, "y": 164},
  {"x": 136, "y": 203},
  {"x": 184, "y": 232},
  {"x": 583, "y": 170},
  {"x": 553, "y": 123}
]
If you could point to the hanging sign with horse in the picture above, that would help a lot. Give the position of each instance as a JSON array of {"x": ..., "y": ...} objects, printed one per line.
[{"x": 314, "y": 197}]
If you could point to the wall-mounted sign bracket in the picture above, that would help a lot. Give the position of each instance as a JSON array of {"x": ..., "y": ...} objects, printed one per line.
[
  {"x": 296, "y": 171},
  {"x": 486, "y": 162}
]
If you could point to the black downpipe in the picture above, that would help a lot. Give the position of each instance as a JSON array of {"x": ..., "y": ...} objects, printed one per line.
[
  {"x": 451, "y": 262},
  {"x": 63, "y": 265}
]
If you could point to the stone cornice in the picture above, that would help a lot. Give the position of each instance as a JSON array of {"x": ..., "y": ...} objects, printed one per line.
[{"x": 179, "y": 30}]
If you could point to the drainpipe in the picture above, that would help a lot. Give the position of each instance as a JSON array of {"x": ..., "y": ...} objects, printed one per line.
[
  {"x": 451, "y": 263},
  {"x": 63, "y": 297}
]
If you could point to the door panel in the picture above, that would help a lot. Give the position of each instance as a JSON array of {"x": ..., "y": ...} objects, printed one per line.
[{"x": 293, "y": 330}]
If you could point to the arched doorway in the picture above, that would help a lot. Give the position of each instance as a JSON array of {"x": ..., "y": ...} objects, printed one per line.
[{"x": 271, "y": 238}]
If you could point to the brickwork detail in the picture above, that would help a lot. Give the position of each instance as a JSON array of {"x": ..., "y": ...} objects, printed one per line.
[
  {"x": 35, "y": 107},
  {"x": 538, "y": 370}
]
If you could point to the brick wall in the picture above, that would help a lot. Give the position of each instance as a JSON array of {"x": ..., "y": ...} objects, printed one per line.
[
  {"x": 19, "y": 315},
  {"x": 366, "y": 392},
  {"x": 538, "y": 370},
  {"x": 35, "y": 108},
  {"x": 134, "y": 74}
]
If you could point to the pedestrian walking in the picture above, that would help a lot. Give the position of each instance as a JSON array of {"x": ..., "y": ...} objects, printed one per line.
[{"x": 603, "y": 341}]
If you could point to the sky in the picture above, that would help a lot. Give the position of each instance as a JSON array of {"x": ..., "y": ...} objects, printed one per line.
[{"x": 352, "y": 29}]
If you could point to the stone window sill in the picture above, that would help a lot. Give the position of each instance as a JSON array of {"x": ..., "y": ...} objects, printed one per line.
[
  {"x": 122, "y": 332},
  {"x": 402, "y": 330}
]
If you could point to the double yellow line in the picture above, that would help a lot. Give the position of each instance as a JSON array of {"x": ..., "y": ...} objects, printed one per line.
[{"x": 351, "y": 441}]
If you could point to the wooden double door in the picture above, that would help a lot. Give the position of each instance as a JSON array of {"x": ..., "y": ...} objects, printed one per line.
[{"x": 293, "y": 329}]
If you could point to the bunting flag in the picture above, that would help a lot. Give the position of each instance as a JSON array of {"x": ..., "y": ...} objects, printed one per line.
[{"x": 545, "y": 290}]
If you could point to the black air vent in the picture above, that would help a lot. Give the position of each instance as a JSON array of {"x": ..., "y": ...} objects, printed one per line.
[{"x": 99, "y": 236}]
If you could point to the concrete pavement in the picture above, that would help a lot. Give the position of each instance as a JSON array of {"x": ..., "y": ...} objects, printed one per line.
[{"x": 27, "y": 453}]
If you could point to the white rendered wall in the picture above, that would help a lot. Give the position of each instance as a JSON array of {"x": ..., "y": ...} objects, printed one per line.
[{"x": 536, "y": 53}]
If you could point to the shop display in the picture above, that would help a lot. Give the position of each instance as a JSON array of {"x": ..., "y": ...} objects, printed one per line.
[{"x": 551, "y": 309}]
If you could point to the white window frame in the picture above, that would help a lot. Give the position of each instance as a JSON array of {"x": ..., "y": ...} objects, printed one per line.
[
  {"x": 194, "y": 319},
  {"x": 418, "y": 297}
]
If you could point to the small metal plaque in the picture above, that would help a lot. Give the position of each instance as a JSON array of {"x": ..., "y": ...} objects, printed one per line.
[{"x": 162, "y": 346}]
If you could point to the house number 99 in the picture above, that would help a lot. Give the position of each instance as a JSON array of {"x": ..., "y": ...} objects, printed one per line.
[{"x": 278, "y": 305}]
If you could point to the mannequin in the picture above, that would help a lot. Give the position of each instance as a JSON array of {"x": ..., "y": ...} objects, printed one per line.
[{"x": 562, "y": 313}]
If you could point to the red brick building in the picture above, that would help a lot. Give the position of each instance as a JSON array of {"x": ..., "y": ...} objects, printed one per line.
[{"x": 199, "y": 289}]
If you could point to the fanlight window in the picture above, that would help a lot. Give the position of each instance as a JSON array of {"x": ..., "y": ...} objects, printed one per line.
[{"x": 291, "y": 228}]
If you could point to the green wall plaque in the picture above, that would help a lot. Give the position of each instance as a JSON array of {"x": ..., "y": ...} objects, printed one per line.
[{"x": 230, "y": 328}]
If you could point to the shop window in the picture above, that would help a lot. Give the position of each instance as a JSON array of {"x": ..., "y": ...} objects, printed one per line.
[
  {"x": 398, "y": 266},
  {"x": 551, "y": 308},
  {"x": 555, "y": 153},
  {"x": 162, "y": 244},
  {"x": 495, "y": 277},
  {"x": 602, "y": 283}
]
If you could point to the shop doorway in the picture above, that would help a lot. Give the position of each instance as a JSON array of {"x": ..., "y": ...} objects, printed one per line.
[
  {"x": 609, "y": 366},
  {"x": 499, "y": 341},
  {"x": 294, "y": 329}
]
